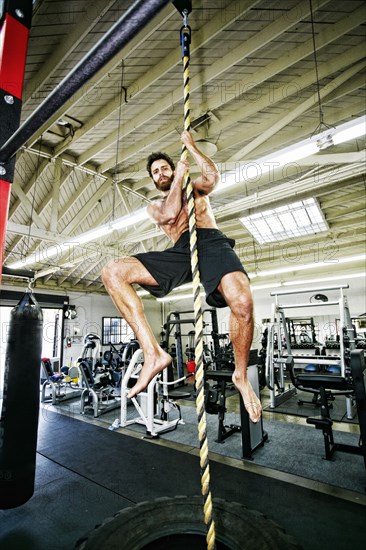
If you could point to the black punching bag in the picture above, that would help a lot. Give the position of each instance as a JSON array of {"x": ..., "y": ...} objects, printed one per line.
[{"x": 20, "y": 407}]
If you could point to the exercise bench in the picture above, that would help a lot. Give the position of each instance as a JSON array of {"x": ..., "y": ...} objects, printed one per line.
[{"x": 353, "y": 386}]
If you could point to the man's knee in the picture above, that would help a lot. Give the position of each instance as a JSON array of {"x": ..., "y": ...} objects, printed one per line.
[
  {"x": 242, "y": 306},
  {"x": 236, "y": 290},
  {"x": 114, "y": 268}
]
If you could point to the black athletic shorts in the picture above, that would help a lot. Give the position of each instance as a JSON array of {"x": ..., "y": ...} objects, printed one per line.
[{"x": 172, "y": 267}]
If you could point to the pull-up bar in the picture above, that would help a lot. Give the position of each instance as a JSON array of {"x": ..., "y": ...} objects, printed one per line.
[
  {"x": 126, "y": 28},
  {"x": 305, "y": 290}
]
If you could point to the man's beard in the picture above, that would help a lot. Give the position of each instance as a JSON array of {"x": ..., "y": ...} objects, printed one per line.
[{"x": 164, "y": 183}]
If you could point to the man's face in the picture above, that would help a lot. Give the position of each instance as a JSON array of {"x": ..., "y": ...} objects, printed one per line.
[{"x": 162, "y": 174}]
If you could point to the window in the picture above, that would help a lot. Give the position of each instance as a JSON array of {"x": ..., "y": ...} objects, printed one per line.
[
  {"x": 292, "y": 220},
  {"x": 115, "y": 330}
]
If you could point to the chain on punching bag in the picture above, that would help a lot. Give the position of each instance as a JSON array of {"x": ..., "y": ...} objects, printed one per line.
[{"x": 20, "y": 407}]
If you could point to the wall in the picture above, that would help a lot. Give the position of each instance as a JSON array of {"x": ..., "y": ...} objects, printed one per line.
[{"x": 90, "y": 310}]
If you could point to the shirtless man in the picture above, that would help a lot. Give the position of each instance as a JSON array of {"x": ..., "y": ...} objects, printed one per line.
[{"x": 222, "y": 275}]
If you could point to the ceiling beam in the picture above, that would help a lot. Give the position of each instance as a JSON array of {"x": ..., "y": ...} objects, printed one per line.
[
  {"x": 276, "y": 124},
  {"x": 95, "y": 11},
  {"x": 28, "y": 206},
  {"x": 22, "y": 176},
  {"x": 83, "y": 212},
  {"x": 279, "y": 194},
  {"x": 334, "y": 202},
  {"x": 254, "y": 43},
  {"x": 55, "y": 193},
  {"x": 267, "y": 98},
  {"x": 135, "y": 43},
  {"x": 34, "y": 232},
  {"x": 199, "y": 39}
]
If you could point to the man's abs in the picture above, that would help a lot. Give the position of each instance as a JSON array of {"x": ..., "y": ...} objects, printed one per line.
[{"x": 204, "y": 219}]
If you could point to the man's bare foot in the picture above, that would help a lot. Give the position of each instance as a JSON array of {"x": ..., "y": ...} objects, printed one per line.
[
  {"x": 251, "y": 401},
  {"x": 151, "y": 367}
]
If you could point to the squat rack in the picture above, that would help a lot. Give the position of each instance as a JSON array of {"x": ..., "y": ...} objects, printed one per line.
[
  {"x": 281, "y": 359},
  {"x": 175, "y": 321}
]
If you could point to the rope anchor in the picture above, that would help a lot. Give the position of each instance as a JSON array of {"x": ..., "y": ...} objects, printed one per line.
[{"x": 185, "y": 40}]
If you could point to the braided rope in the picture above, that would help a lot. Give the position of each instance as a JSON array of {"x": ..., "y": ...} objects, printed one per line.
[{"x": 198, "y": 316}]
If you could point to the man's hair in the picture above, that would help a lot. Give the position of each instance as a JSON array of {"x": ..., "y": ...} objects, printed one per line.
[{"x": 158, "y": 156}]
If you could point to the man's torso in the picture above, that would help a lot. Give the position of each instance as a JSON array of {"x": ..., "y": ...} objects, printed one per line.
[{"x": 204, "y": 218}]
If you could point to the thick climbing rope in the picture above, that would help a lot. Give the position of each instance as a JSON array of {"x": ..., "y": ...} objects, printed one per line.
[{"x": 185, "y": 35}]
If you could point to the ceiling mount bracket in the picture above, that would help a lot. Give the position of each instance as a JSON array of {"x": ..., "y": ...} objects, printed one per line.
[{"x": 183, "y": 6}]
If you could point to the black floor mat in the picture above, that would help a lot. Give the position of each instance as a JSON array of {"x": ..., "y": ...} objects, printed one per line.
[
  {"x": 139, "y": 470},
  {"x": 338, "y": 411}
]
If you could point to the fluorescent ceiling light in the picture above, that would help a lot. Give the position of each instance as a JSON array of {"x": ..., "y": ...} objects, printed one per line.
[
  {"x": 92, "y": 235},
  {"x": 285, "y": 222},
  {"x": 349, "y": 131},
  {"x": 40, "y": 256},
  {"x": 176, "y": 297},
  {"x": 325, "y": 279},
  {"x": 253, "y": 170},
  {"x": 325, "y": 141},
  {"x": 290, "y": 269},
  {"x": 130, "y": 219}
]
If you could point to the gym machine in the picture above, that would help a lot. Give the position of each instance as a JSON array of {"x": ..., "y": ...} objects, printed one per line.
[
  {"x": 62, "y": 385},
  {"x": 152, "y": 405},
  {"x": 118, "y": 359},
  {"x": 252, "y": 435},
  {"x": 351, "y": 384},
  {"x": 280, "y": 355},
  {"x": 218, "y": 354},
  {"x": 175, "y": 321},
  {"x": 219, "y": 366},
  {"x": 100, "y": 389}
]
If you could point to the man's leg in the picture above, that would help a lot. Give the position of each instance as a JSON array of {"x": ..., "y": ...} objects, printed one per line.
[
  {"x": 236, "y": 290},
  {"x": 118, "y": 277}
]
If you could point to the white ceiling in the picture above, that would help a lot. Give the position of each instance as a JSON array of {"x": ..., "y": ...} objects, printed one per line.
[{"x": 253, "y": 82}]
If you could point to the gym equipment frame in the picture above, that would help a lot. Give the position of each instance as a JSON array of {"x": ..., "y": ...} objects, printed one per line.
[
  {"x": 352, "y": 383},
  {"x": 153, "y": 405},
  {"x": 175, "y": 321},
  {"x": 279, "y": 360},
  {"x": 62, "y": 388},
  {"x": 252, "y": 435}
]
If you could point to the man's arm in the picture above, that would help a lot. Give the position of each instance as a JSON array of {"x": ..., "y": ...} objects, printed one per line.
[
  {"x": 210, "y": 175},
  {"x": 166, "y": 210}
]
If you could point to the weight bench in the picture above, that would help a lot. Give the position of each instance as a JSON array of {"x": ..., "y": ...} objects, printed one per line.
[{"x": 352, "y": 386}]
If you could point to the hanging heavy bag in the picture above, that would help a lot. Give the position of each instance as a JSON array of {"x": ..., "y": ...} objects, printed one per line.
[{"x": 20, "y": 407}]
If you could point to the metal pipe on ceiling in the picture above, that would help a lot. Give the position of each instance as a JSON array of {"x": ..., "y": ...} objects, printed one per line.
[{"x": 125, "y": 29}]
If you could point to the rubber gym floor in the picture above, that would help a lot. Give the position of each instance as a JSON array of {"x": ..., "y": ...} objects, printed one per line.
[{"x": 86, "y": 473}]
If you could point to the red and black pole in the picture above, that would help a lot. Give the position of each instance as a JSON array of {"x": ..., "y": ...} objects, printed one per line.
[
  {"x": 15, "y": 22},
  {"x": 18, "y": 411}
]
